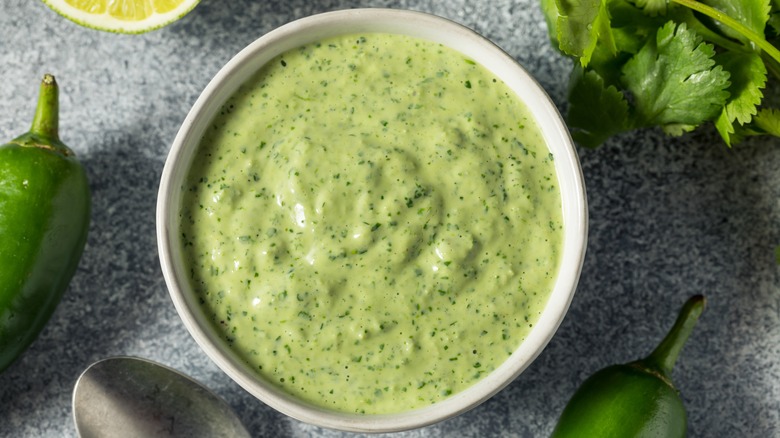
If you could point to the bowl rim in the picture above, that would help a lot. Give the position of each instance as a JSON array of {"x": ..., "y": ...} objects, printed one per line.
[{"x": 399, "y": 21}]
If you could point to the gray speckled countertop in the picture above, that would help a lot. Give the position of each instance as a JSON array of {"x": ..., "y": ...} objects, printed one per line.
[{"x": 668, "y": 219}]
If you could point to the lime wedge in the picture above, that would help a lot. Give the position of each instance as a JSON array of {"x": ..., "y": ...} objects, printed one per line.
[{"x": 122, "y": 16}]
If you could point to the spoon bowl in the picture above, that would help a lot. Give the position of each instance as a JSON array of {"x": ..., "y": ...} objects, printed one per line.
[{"x": 132, "y": 397}]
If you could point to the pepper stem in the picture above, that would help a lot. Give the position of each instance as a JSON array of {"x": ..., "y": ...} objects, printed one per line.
[
  {"x": 665, "y": 354},
  {"x": 46, "y": 121}
]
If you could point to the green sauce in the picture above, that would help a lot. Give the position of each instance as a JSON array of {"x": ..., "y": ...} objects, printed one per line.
[{"x": 373, "y": 222}]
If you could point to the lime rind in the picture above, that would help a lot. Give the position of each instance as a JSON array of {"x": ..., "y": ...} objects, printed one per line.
[{"x": 108, "y": 23}]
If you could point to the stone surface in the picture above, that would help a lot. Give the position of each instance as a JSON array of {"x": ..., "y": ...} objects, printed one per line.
[{"x": 669, "y": 218}]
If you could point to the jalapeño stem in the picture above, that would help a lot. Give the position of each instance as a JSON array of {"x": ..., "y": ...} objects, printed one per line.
[
  {"x": 665, "y": 354},
  {"x": 46, "y": 121}
]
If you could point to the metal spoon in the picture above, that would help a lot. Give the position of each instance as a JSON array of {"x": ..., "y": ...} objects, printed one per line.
[{"x": 132, "y": 397}]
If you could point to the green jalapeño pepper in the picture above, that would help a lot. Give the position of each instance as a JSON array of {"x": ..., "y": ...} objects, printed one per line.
[
  {"x": 44, "y": 219},
  {"x": 636, "y": 399}
]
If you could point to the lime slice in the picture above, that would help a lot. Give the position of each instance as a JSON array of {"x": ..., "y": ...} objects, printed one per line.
[{"x": 122, "y": 16}]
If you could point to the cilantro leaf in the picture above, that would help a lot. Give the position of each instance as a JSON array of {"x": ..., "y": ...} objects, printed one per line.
[
  {"x": 753, "y": 14},
  {"x": 748, "y": 78},
  {"x": 734, "y": 26},
  {"x": 675, "y": 81},
  {"x": 765, "y": 122},
  {"x": 581, "y": 24},
  {"x": 768, "y": 121},
  {"x": 597, "y": 112},
  {"x": 550, "y": 12},
  {"x": 645, "y": 63}
]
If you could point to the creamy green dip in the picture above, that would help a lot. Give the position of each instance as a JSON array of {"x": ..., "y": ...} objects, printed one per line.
[{"x": 373, "y": 222}]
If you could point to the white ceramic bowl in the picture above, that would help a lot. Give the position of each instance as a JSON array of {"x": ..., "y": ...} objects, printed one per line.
[{"x": 415, "y": 24}]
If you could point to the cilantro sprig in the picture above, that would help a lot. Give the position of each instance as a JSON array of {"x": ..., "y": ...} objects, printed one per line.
[{"x": 673, "y": 64}]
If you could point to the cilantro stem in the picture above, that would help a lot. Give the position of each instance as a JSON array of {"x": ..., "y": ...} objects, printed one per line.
[{"x": 715, "y": 14}]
